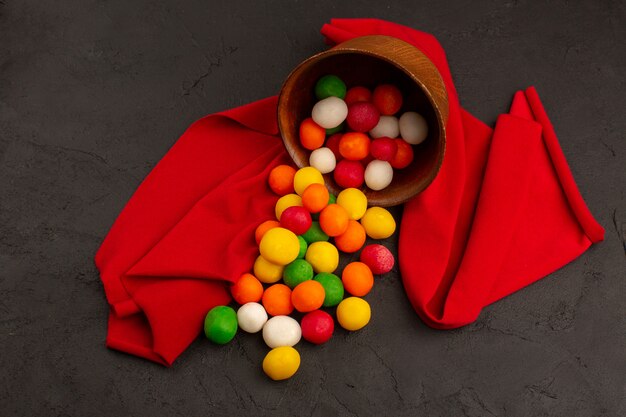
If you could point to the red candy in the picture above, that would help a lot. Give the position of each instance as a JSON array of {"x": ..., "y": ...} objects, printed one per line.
[
  {"x": 356, "y": 94},
  {"x": 332, "y": 143},
  {"x": 387, "y": 98},
  {"x": 378, "y": 258},
  {"x": 403, "y": 156},
  {"x": 362, "y": 116},
  {"x": 349, "y": 174},
  {"x": 317, "y": 327},
  {"x": 383, "y": 148},
  {"x": 296, "y": 218}
]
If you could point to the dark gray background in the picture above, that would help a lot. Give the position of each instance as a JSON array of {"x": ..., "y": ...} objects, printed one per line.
[{"x": 93, "y": 93}]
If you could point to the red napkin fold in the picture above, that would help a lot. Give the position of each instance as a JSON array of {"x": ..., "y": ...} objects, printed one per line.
[{"x": 503, "y": 212}]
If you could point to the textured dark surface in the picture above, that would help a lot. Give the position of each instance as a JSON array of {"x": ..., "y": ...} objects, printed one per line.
[{"x": 93, "y": 93}]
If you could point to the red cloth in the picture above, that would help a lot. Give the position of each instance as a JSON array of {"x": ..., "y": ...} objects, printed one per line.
[{"x": 503, "y": 212}]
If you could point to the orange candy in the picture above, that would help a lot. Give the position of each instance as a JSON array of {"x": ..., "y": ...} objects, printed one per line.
[
  {"x": 308, "y": 296},
  {"x": 277, "y": 300},
  {"x": 334, "y": 220},
  {"x": 281, "y": 179},
  {"x": 315, "y": 198},
  {"x": 247, "y": 289},
  {"x": 352, "y": 239},
  {"x": 312, "y": 135},
  {"x": 264, "y": 227},
  {"x": 404, "y": 155},
  {"x": 357, "y": 278},
  {"x": 354, "y": 146}
]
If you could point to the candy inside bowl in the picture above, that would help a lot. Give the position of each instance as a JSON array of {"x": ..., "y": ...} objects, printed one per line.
[{"x": 372, "y": 61}]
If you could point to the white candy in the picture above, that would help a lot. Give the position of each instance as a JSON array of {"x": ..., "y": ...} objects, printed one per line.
[
  {"x": 413, "y": 128},
  {"x": 281, "y": 331},
  {"x": 387, "y": 126},
  {"x": 323, "y": 159},
  {"x": 251, "y": 317},
  {"x": 378, "y": 174},
  {"x": 330, "y": 112}
]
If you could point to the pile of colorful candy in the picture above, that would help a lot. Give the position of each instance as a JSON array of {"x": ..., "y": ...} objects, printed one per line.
[
  {"x": 296, "y": 248},
  {"x": 347, "y": 117}
]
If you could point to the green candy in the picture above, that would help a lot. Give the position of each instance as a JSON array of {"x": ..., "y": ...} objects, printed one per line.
[
  {"x": 315, "y": 234},
  {"x": 303, "y": 247},
  {"x": 330, "y": 85},
  {"x": 337, "y": 129},
  {"x": 296, "y": 272},
  {"x": 331, "y": 199},
  {"x": 220, "y": 324},
  {"x": 332, "y": 287}
]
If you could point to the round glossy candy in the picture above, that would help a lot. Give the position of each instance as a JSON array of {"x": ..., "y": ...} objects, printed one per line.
[
  {"x": 285, "y": 201},
  {"x": 297, "y": 272},
  {"x": 356, "y": 94},
  {"x": 297, "y": 219},
  {"x": 333, "y": 288},
  {"x": 323, "y": 256},
  {"x": 267, "y": 272},
  {"x": 378, "y": 258},
  {"x": 317, "y": 327},
  {"x": 251, "y": 317},
  {"x": 281, "y": 179},
  {"x": 413, "y": 127},
  {"x": 357, "y": 278},
  {"x": 305, "y": 177},
  {"x": 312, "y": 135},
  {"x": 281, "y": 331},
  {"x": 362, "y": 116},
  {"x": 264, "y": 227},
  {"x": 352, "y": 239},
  {"x": 349, "y": 174},
  {"x": 332, "y": 143},
  {"x": 220, "y": 324},
  {"x": 303, "y": 247},
  {"x": 387, "y": 98},
  {"x": 387, "y": 126},
  {"x": 353, "y": 313},
  {"x": 378, "y": 175},
  {"x": 307, "y": 296},
  {"x": 329, "y": 112},
  {"x": 247, "y": 289},
  {"x": 281, "y": 363},
  {"x": 279, "y": 246},
  {"x": 323, "y": 159},
  {"x": 354, "y": 201},
  {"x": 334, "y": 220},
  {"x": 354, "y": 146},
  {"x": 315, "y": 234},
  {"x": 277, "y": 300},
  {"x": 315, "y": 198},
  {"x": 384, "y": 148},
  {"x": 378, "y": 223},
  {"x": 329, "y": 86},
  {"x": 404, "y": 155},
  {"x": 337, "y": 129}
]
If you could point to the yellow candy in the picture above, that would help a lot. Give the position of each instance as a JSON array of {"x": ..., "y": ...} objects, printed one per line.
[
  {"x": 279, "y": 246},
  {"x": 378, "y": 223},
  {"x": 305, "y": 177},
  {"x": 353, "y": 313},
  {"x": 266, "y": 271},
  {"x": 285, "y": 202},
  {"x": 323, "y": 256},
  {"x": 354, "y": 201},
  {"x": 281, "y": 363}
]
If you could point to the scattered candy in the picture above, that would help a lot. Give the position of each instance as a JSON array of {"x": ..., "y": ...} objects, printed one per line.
[
  {"x": 305, "y": 177},
  {"x": 307, "y": 296},
  {"x": 387, "y": 126},
  {"x": 387, "y": 98},
  {"x": 356, "y": 94},
  {"x": 281, "y": 363},
  {"x": 281, "y": 179},
  {"x": 317, "y": 327},
  {"x": 353, "y": 313},
  {"x": 277, "y": 300},
  {"x": 303, "y": 247},
  {"x": 281, "y": 331},
  {"x": 315, "y": 198},
  {"x": 413, "y": 127},
  {"x": 404, "y": 155},
  {"x": 285, "y": 201},
  {"x": 323, "y": 256},
  {"x": 315, "y": 234},
  {"x": 349, "y": 174},
  {"x": 384, "y": 148},
  {"x": 330, "y": 112},
  {"x": 378, "y": 175},
  {"x": 378, "y": 258},
  {"x": 354, "y": 146},
  {"x": 247, "y": 289},
  {"x": 264, "y": 227},
  {"x": 378, "y": 223},
  {"x": 323, "y": 159},
  {"x": 334, "y": 220},
  {"x": 332, "y": 143},
  {"x": 352, "y": 239},
  {"x": 337, "y": 129},
  {"x": 297, "y": 272},
  {"x": 354, "y": 201},
  {"x": 362, "y": 116},
  {"x": 312, "y": 135},
  {"x": 267, "y": 272},
  {"x": 333, "y": 288},
  {"x": 330, "y": 86},
  {"x": 279, "y": 246},
  {"x": 357, "y": 278},
  {"x": 220, "y": 324},
  {"x": 296, "y": 218},
  {"x": 251, "y": 317}
]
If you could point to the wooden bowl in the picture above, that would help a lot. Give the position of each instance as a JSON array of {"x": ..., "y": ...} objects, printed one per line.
[{"x": 369, "y": 61}]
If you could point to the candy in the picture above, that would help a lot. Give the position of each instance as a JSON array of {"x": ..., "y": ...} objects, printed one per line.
[
  {"x": 305, "y": 177},
  {"x": 337, "y": 129},
  {"x": 387, "y": 126},
  {"x": 281, "y": 363},
  {"x": 307, "y": 296},
  {"x": 279, "y": 246},
  {"x": 329, "y": 86},
  {"x": 251, "y": 317},
  {"x": 333, "y": 288},
  {"x": 384, "y": 148},
  {"x": 378, "y": 258},
  {"x": 353, "y": 313},
  {"x": 323, "y": 159},
  {"x": 303, "y": 247},
  {"x": 413, "y": 127},
  {"x": 323, "y": 256},
  {"x": 297, "y": 219},
  {"x": 317, "y": 327},
  {"x": 329, "y": 112},
  {"x": 297, "y": 272},
  {"x": 354, "y": 146},
  {"x": 352, "y": 239},
  {"x": 334, "y": 220},
  {"x": 277, "y": 300},
  {"x": 403, "y": 156},
  {"x": 281, "y": 179},
  {"x": 281, "y": 331},
  {"x": 220, "y": 324},
  {"x": 357, "y": 278},
  {"x": 378, "y": 223},
  {"x": 315, "y": 198},
  {"x": 315, "y": 234},
  {"x": 246, "y": 289},
  {"x": 267, "y": 272},
  {"x": 362, "y": 116},
  {"x": 354, "y": 201},
  {"x": 264, "y": 227},
  {"x": 387, "y": 98},
  {"x": 378, "y": 175},
  {"x": 349, "y": 174},
  {"x": 356, "y": 94},
  {"x": 312, "y": 135},
  {"x": 332, "y": 143},
  {"x": 285, "y": 201}
]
